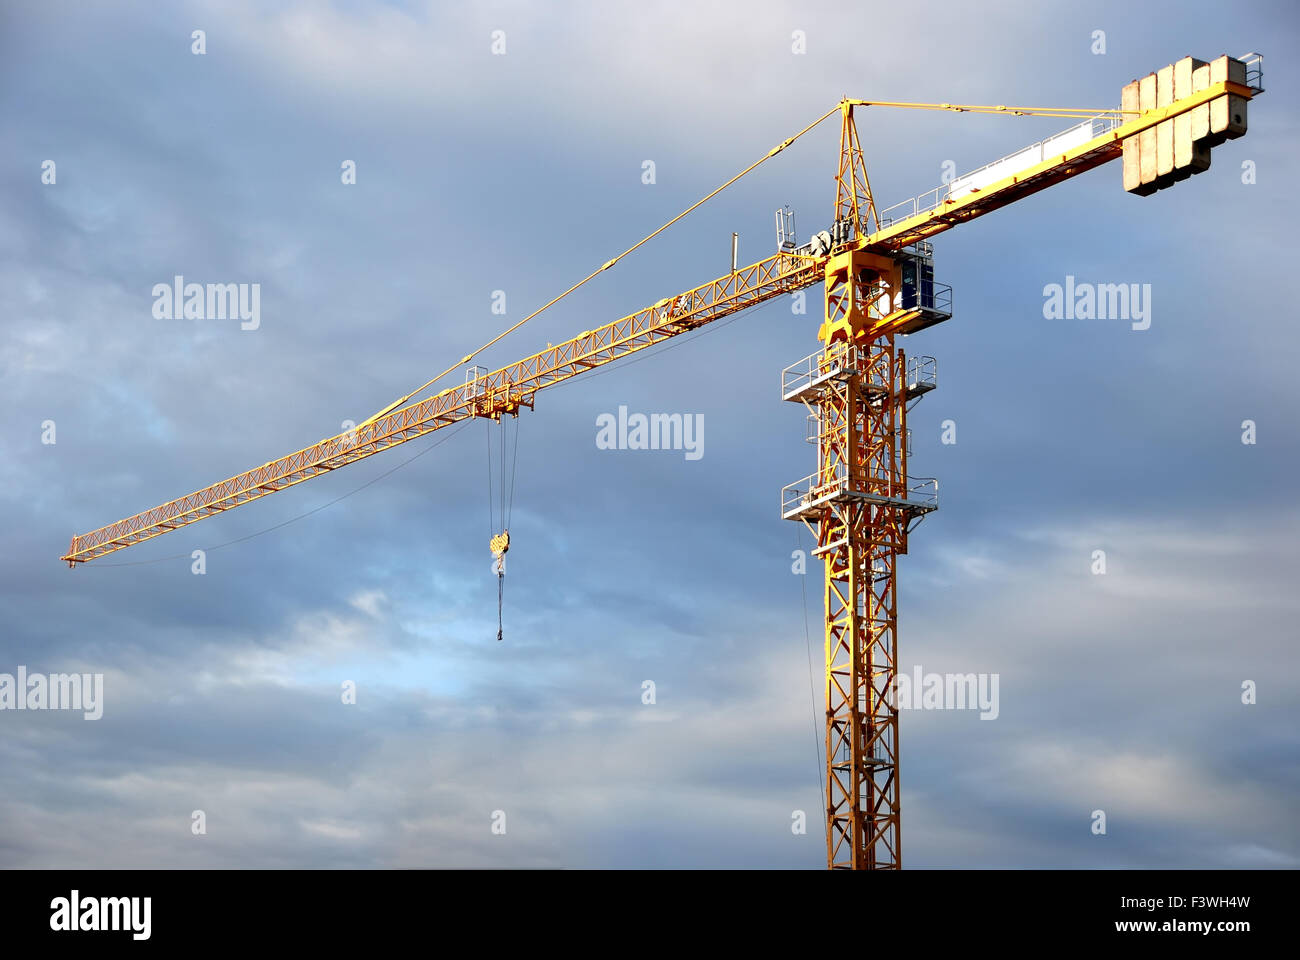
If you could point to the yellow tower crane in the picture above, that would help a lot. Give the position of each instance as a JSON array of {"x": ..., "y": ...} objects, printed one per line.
[{"x": 860, "y": 502}]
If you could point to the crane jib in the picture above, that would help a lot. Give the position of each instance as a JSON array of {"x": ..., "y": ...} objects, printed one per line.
[{"x": 516, "y": 384}]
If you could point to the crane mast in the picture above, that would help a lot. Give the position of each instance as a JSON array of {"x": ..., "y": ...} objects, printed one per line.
[
  {"x": 861, "y": 502},
  {"x": 860, "y": 505}
]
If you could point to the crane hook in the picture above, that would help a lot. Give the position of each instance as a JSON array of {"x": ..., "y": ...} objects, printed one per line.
[{"x": 499, "y": 544}]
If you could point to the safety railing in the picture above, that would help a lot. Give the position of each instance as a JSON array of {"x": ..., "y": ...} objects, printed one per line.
[
  {"x": 802, "y": 374},
  {"x": 921, "y": 494},
  {"x": 1004, "y": 167},
  {"x": 927, "y": 295},
  {"x": 938, "y": 299},
  {"x": 845, "y": 360},
  {"x": 922, "y": 374},
  {"x": 475, "y": 383},
  {"x": 1254, "y": 71}
]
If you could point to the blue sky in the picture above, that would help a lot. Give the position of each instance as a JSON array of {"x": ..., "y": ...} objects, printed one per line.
[{"x": 522, "y": 172}]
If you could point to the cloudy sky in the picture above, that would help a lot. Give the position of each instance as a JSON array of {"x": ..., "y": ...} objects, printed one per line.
[{"x": 521, "y": 172}]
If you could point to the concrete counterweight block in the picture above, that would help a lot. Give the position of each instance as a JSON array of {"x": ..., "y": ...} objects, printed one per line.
[
  {"x": 1228, "y": 112},
  {"x": 1147, "y": 138},
  {"x": 1189, "y": 156},
  {"x": 1130, "y": 100},
  {"x": 1165, "y": 129}
]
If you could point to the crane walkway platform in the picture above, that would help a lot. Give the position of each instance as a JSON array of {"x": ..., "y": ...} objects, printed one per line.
[
  {"x": 805, "y": 379},
  {"x": 805, "y": 499},
  {"x": 919, "y": 316}
]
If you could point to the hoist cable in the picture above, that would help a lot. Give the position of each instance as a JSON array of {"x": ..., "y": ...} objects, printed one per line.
[
  {"x": 492, "y": 525},
  {"x": 514, "y": 469}
]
